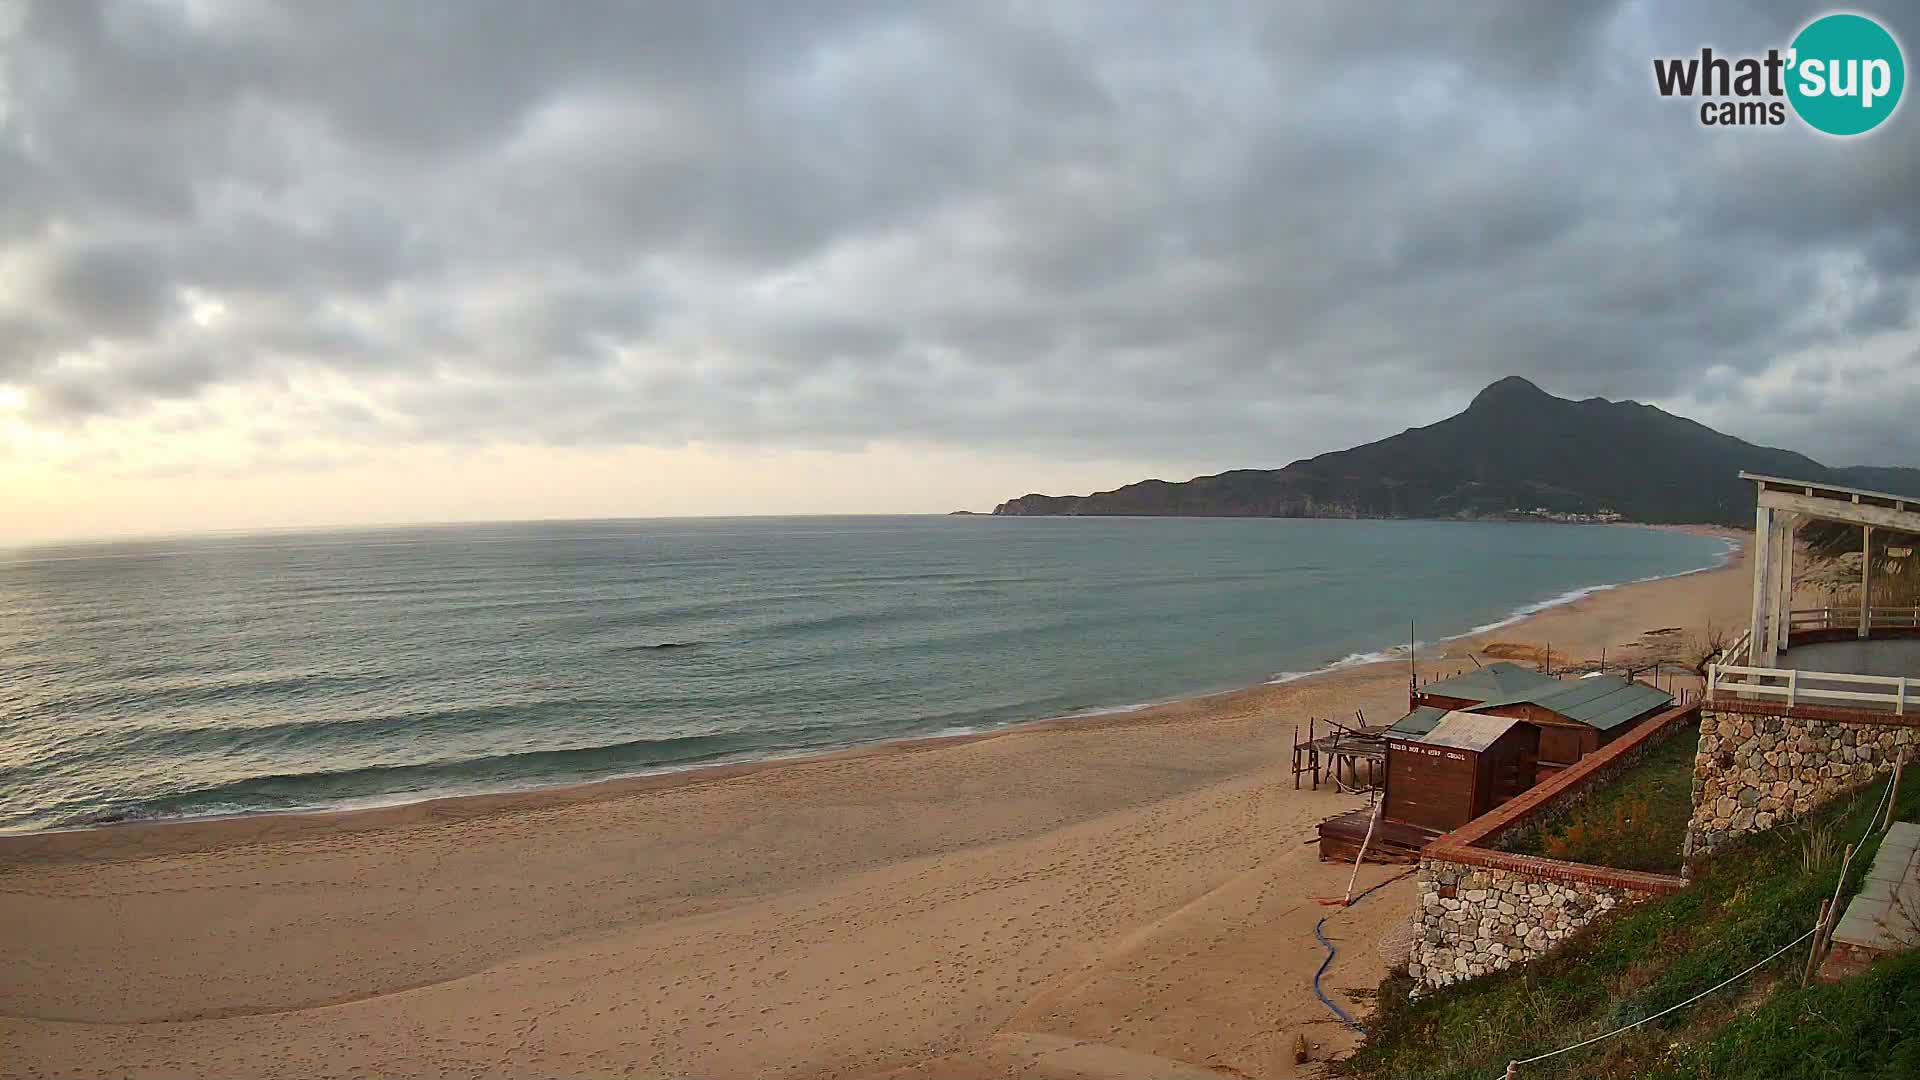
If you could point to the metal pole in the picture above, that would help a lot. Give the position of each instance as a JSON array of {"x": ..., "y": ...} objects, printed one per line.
[{"x": 1413, "y": 670}]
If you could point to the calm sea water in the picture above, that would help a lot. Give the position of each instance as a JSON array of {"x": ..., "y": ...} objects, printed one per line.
[{"x": 304, "y": 670}]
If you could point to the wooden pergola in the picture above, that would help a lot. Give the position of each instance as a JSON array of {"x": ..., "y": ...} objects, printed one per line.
[{"x": 1783, "y": 505}]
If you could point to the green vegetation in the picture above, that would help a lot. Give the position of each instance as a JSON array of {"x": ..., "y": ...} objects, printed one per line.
[
  {"x": 1637, "y": 821},
  {"x": 1750, "y": 901}
]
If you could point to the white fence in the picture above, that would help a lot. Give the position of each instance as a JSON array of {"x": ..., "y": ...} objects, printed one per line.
[
  {"x": 1848, "y": 618},
  {"x": 1734, "y": 676},
  {"x": 1809, "y": 687}
]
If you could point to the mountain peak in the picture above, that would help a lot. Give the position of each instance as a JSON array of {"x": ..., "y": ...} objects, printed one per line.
[
  {"x": 1516, "y": 452},
  {"x": 1513, "y": 388}
]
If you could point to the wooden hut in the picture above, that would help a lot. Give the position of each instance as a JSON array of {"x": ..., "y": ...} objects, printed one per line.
[
  {"x": 1464, "y": 766},
  {"x": 1578, "y": 716},
  {"x": 1496, "y": 681},
  {"x": 1575, "y": 716},
  {"x": 1474, "y": 741}
]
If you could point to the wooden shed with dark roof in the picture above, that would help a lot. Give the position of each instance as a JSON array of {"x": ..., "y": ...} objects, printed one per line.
[
  {"x": 1578, "y": 716},
  {"x": 1462, "y": 766},
  {"x": 1495, "y": 681}
]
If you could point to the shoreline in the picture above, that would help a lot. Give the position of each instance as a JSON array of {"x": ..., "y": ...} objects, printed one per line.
[
  {"x": 461, "y": 805},
  {"x": 1068, "y": 899}
]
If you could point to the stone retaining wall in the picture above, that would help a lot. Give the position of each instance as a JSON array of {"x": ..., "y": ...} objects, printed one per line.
[
  {"x": 1477, "y": 920},
  {"x": 1483, "y": 910},
  {"x": 1754, "y": 771}
]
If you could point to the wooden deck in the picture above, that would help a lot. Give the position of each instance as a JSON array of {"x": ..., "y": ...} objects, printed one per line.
[
  {"x": 1342, "y": 748},
  {"x": 1393, "y": 841}
]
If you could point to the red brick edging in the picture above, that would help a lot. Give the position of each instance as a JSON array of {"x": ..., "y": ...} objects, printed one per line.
[
  {"x": 1831, "y": 714},
  {"x": 1462, "y": 845}
]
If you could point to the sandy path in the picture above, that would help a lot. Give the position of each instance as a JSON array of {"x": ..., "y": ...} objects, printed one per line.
[{"x": 1103, "y": 898}]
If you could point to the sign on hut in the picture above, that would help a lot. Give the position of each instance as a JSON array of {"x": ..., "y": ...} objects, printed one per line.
[{"x": 1465, "y": 766}]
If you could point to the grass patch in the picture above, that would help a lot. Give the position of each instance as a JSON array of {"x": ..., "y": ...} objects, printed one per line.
[
  {"x": 1751, "y": 900},
  {"x": 1636, "y": 821}
]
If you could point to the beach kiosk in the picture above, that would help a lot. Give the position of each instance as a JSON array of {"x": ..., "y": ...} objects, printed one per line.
[
  {"x": 1473, "y": 741},
  {"x": 1496, "y": 681},
  {"x": 1575, "y": 716},
  {"x": 1463, "y": 766}
]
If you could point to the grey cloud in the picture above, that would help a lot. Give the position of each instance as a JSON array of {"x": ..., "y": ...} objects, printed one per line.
[
  {"x": 1236, "y": 233},
  {"x": 107, "y": 288}
]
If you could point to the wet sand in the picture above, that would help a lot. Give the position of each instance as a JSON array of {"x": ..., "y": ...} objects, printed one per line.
[{"x": 1110, "y": 896}]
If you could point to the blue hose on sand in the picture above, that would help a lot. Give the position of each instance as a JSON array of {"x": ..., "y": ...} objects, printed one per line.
[{"x": 1319, "y": 934}]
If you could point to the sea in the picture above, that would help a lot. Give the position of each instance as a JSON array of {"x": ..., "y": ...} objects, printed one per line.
[{"x": 237, "y": 674}]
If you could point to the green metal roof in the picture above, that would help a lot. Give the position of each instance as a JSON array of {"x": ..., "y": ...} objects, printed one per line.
[
  {"x": 1418, "y": 722},
  {"x": 1598, "y": 701},
  {"x": 1500, "y": 679}
]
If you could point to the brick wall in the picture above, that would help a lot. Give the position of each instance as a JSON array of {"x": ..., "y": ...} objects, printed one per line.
[
  {"x": 1558, "y": 795},
  {"x": 1481, "y": 909},
  {"x": 1757, "y": 768}
]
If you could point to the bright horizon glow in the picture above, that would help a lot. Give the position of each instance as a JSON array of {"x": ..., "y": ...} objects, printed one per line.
[{"x": 428, "y": 486}]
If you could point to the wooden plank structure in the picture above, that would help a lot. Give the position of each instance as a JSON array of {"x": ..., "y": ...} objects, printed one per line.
[
  {"x": 1341, "y": 747},
  {"x": 1393, "y": 841}
]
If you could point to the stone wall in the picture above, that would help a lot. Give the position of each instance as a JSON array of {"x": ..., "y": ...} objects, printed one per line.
[
  {"x": 1482, "y": 910},
  {"x": 1476, "y": 920},
  {"x": 1754, "y": 771}
]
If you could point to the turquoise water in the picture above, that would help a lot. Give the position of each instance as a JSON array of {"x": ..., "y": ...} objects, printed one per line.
[{"x": 233, "y": 674}]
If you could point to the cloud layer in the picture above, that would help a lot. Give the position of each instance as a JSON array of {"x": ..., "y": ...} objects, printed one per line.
[{"x": 1238, "y": 234}]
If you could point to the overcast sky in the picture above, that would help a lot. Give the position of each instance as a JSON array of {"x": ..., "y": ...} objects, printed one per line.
[{"x": 315, "y": 263}]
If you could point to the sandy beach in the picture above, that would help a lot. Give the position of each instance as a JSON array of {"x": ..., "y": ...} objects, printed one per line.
[{"x": 1111, "y": 896}]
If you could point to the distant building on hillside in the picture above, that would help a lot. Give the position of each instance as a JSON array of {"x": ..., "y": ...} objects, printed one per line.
[{"x": 1600, "y": 517}]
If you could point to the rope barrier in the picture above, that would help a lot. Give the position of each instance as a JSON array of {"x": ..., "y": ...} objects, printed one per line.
[
  {"x": 1598, "y": 1038},
  {"x": 1846, "y": 864}
]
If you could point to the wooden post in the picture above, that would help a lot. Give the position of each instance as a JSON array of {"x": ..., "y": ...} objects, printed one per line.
[
  {"x": 1866, "y": 579},
  {"x": 1893, "y": 796},
  {"x": 1313, "y": 753},
  {"x": 1783, "y": 595},
  {"x": 1296, "y": 757},
  {"x": 1833, "y": 906},
  {"x": 1762, "y": 552},
  {"x": 1813, "y": 952},
  {"x": 1358, "y": 859}
]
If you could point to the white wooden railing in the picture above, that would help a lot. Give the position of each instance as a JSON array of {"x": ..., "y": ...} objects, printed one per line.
[
  {"x": 1734, "y": 676},
  {"x": 1736, "y": 653},
  {"x": 1844, "y": 618},
  {"x": 1805, "y": 687}
]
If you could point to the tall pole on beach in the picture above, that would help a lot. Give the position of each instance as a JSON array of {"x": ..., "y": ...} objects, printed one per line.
[{"x": 1413, "y": 672}]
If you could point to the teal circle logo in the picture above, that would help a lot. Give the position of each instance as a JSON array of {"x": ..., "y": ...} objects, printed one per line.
[{"x": 1845, "y": 74}]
